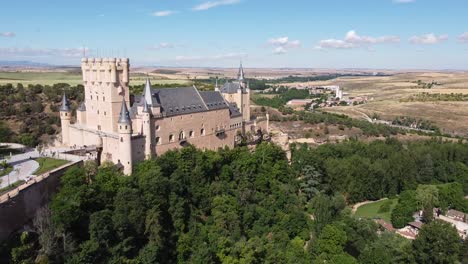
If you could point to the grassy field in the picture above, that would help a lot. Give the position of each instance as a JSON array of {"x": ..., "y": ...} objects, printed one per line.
[
  {"x": 73, "y": 78},
  {"x": 47, "y": 164},
  {"x": 371, "y": 210}
]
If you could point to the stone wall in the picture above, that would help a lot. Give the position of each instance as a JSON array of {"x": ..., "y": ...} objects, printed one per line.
[{"x": 19, "y": 206}]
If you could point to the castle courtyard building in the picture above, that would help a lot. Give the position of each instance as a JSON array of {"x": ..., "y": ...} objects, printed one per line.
[{"x": 126, "y": 131}]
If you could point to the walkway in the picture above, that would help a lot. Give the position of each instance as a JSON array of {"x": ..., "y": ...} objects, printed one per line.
[{"x": 23, "y": 166}]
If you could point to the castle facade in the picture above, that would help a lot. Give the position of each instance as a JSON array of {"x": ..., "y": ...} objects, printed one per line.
[{"x": 126, "y": 130}]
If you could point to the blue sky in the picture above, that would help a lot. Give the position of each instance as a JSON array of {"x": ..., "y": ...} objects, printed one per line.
[{"x": 397, "y": 34}]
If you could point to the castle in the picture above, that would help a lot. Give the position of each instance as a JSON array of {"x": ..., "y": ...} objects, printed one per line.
[{"x": 125, "y": 129}]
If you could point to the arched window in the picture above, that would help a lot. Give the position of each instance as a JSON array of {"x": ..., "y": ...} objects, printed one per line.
[
  {"x": 181, "y": 135},
  {"x": 121, "y": 139},
  {"x": 158, "y": 141},
  {"x": 191, "y": 134},
  {"x": 202, "y": 132},
  {"x": 171, "y": 138}
]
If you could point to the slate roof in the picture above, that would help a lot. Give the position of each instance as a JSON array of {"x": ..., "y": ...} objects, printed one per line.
[
  {"x": 234, "y": 111},
  {"x": 213, "y": 100},
  {"x": 82, "y": 107},
  {"x": 65, "y": 104},
  {"x": 179, "y": 101},
  {"x": 230, "y": 87},
  {"x": 124, "y": 117},
  {"x": 183, "y": 100}
]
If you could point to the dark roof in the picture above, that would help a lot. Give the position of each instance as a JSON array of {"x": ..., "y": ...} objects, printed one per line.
[
  {"x": 148, "y": 93},
  {"x": 213, "y": 100},
  {"x": 82, "y": 107},
  {"x": 124, "y": 117},
  {"x": 65, "y": 104},
  {"x": 182, "y": 100},
  {"x": 178, "y": 101},
  {"x": 230, "y": 87},
  {"x": 234, "y": 111}
]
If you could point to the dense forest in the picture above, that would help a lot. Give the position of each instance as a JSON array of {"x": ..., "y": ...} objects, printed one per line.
[{"x": 244, "y": 206}]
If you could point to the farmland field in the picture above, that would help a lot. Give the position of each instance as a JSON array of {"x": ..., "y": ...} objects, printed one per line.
[{"x": 73, "y": 78}]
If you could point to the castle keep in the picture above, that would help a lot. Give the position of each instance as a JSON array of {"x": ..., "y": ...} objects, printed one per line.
[{"x": 126, "y": 131}]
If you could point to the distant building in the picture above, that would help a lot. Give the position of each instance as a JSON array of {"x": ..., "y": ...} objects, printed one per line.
[{"x": 125, "y": 131}]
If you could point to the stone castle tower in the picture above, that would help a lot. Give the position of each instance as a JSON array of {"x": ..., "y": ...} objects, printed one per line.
[
  {"x": 238, "y": 92},
  {"x": 106, "y": 82}
]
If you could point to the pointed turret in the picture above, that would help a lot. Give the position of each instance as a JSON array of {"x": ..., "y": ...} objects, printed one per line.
[
  {"x": 124, "y": 117},
  {"x": 145, "y": 107},
  {"x": 65, "y": 104},
  {"x": 216, "y": 86},
  {"x": 148, "y": 93},
  {"x": 240, "y": 74},
  {"x": 82, "y": 107}
]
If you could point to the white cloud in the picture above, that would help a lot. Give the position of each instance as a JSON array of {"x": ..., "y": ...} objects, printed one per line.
[
  {"x": 7, "y": 34},
  {"x": 279, "y": 50},
  {"x": 211, "y": 4},
  {"x": 428, "y": 39},
  {"x": 164, "y": 13},
  {"x": 404, "y": 1},
  {"x": 353, "y": 40},
  {"x": 463, "y": 37},
  {"x": 163, "y": 45},
  {"x": 353, "y": 37},
  {"x": 283, "y": 44},
  {"x": 225, "y": 56},
  {"x": 39, "y": 52}
]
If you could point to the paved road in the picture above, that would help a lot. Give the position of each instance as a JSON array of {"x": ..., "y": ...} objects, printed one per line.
[{"x": 23, "y": 166}]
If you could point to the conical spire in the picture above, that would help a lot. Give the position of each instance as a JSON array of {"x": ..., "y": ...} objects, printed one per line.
[
  {"x": 240, "y": 74},
  {"x": 216, "y": 86},
  {"x": 65, "y": 104},
  {"x": 148, "y": 93},
  {"x": 82, "y": 107},
  {"x": 124, "y": 117},
  {"x": 145, "y": 107}
]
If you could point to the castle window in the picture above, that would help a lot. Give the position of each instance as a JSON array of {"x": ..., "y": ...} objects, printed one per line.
[
  {"x": 191, "y": 134},
  {"x": 181, "y": 135},
  {"x": 103, "y": 98},
  {"x": 202, "y": 132},
  {"x": 91, "y": 97},
  {"x": 171, "y": 138},
  {"x": 125, "y": 127},
  {"x": 98, "y": 112},
  {"x": 97, "y": 98},
  {"x": 104, "y": 112},
  {"x": 121, "y": 139},
  {"x": 158, "y": 141},
  {"x": 99, "y": 127},
  {"x": 157, "y": 128}
]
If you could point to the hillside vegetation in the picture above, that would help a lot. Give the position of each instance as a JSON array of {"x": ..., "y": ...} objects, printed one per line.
[{"x": 243, "y": 206}]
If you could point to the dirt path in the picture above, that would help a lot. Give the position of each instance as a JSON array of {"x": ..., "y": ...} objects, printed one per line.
[{"x": 356, "y": 206}]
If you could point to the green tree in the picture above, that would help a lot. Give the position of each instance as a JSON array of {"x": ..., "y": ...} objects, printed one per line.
[
  {"x": 438, "y": 243},
  {"x": 310, "y": 182}
]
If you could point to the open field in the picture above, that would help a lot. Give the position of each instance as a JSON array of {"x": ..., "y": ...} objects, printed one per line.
[
  {"x": 384, "y": 94},
  {"x": 74, "y": 78},
  {"x": 371, "y": 210}
]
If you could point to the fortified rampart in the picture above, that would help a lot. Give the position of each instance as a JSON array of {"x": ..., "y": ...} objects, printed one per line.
[{"x": 20, "y": 205}]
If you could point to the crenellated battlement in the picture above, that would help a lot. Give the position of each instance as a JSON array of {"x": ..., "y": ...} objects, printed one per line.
[{"x": 105, "y": 70}]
